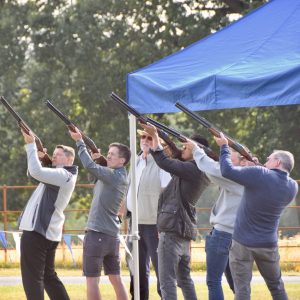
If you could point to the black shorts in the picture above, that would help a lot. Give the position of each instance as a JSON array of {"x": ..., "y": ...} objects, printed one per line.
[{"x": 100, "y": 249}]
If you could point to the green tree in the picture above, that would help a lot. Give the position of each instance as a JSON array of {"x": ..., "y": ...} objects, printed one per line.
[{"x": 77, "y": 52}]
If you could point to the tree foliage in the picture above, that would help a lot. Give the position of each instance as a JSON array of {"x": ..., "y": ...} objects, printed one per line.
[{"x": 77, "y": 52}]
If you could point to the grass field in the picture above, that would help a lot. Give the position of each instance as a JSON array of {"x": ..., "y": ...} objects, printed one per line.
[{"x": 77, "y": 292}]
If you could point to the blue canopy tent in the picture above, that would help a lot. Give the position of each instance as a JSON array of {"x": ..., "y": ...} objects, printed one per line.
[{"x": 252, "y": 62}]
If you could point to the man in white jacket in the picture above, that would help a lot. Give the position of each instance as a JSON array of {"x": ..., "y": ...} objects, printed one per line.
[
  {"x": 150, "y": 180},
  {"x": 222, "y": 218},
  {"x": 43, "y": 218}
]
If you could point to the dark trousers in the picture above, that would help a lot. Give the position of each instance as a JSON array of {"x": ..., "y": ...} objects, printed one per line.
[
  {"x": 267, "y": 261},
  {"x": 174, "y": 266},
  {"x": 37, "y": 268},
  {"x": 228, "y": 276},
  {"x": 148, "y": 244}
]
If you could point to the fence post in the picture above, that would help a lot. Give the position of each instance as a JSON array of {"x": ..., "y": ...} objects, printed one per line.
[{"x": 5, "y": 218}]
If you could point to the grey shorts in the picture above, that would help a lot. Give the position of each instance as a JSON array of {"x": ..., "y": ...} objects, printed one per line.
[{"x": 100, "y": 249}]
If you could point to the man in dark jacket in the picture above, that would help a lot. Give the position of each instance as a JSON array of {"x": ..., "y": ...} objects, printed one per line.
[{"x": 176, "y": 219}]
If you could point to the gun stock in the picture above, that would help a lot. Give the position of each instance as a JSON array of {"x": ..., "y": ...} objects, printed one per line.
[
  {"x": 46, "y": 160},
  {"x": 176, "y": 152},
  {"x": 161, "y": 128},
  {"x": 183, "y": 138},
  {"x": 88, "y": 141},
  {"x": 216, "y": 132}
]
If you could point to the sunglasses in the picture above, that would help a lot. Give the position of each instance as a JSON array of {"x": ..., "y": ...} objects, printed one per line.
[{"x": 147, "y": 137}]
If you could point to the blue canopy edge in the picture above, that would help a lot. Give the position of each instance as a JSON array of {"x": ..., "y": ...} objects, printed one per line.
[{"x": 254, "y": 61}]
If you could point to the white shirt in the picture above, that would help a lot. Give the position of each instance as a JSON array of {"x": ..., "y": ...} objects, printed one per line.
[{"x": 164, "y": 176}]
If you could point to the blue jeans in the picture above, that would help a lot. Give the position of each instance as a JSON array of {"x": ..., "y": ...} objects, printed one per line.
[
  {"x": 148, "y": 244},
  {"x": 174, "y": 267},
  {"x": 217, "y": 247}
]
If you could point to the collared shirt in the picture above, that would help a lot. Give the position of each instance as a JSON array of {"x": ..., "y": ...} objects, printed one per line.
[{"x": 164, "y": 177}]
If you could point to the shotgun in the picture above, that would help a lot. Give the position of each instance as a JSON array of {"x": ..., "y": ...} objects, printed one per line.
[
  {"x": 216, "y": 132},
  {"x": 163, "y": 130},
  {"x": 88, "y": 141},
  {"x": 46, "y": 160}
]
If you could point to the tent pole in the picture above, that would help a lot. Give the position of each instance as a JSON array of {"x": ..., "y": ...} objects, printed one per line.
[{"x": 134, "y": 213}]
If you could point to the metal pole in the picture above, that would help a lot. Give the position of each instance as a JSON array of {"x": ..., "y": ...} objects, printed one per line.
[
  {"x": 63, "y": 248},
  {"x": 134, "y": 213}
]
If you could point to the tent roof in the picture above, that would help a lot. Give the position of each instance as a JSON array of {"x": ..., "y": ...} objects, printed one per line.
[{"x": 254, "y": 61}]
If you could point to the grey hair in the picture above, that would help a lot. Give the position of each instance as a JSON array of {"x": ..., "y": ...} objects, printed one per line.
[{"x": 286, "y": 158}]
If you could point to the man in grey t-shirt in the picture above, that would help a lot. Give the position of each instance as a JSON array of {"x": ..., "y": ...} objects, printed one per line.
[{"x": 101, "y": 242}]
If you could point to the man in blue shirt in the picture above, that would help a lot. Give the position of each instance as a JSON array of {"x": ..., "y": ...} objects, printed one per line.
[
  {"x": 268, "y": 190},
  {"x": 222, "y": 219}
]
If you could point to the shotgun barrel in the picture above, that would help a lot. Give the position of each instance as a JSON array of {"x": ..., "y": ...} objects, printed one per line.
[
  {"x": 162, "y": 129},
  {"x": 216, "y": 132},
  {"x": 88, "y": 141},
  {"x": 46, "y": 160}
]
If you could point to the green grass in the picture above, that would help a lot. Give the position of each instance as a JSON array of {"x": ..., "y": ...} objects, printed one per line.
[
  {"x": 78, "y": 272},
  {"x": 77, "y": 292},
  {"x": 59, "y": 271}
]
